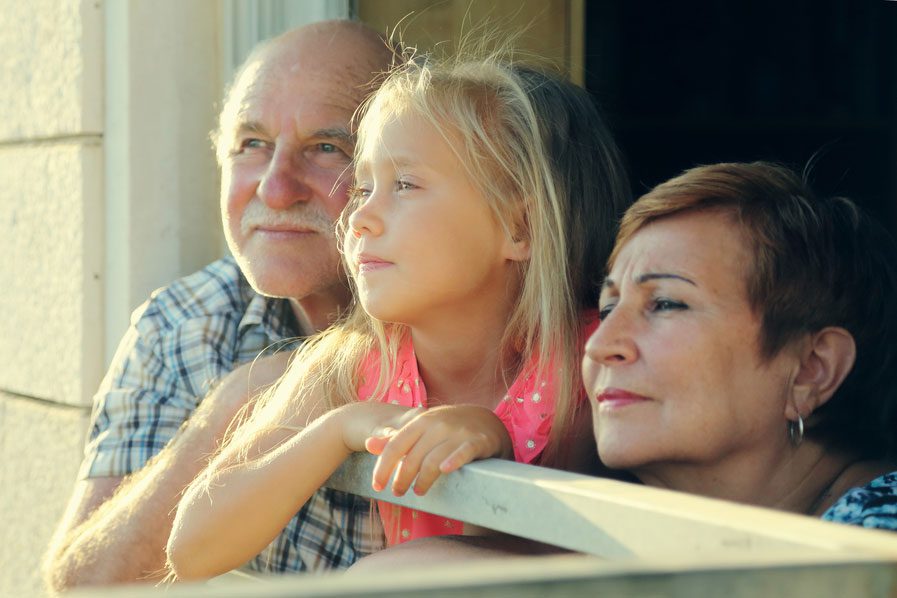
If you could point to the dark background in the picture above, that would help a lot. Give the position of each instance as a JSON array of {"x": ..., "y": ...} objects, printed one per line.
[{"x": 810, "y": 84}]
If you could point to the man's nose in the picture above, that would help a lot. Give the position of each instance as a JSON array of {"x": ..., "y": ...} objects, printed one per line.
[
  {"x": 282, "y": 183},
  {"x": 613, "y": 342}
]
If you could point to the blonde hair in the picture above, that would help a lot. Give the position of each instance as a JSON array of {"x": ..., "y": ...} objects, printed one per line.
[{"x": 559, "y": 184}]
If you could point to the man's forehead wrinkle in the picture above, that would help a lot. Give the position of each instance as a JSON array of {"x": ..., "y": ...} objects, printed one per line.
[{"x": 333, "y": 89}]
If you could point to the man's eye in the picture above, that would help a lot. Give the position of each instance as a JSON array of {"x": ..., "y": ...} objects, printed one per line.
[
  {"x": 329, "y": 148},
  {"x": 249, "y": 144}
]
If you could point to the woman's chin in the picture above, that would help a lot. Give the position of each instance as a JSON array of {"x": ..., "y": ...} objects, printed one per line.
[{"x": 620, "y": 457}]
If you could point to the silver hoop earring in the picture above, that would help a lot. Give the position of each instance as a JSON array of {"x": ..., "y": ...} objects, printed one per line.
[{"x": 796, "y": 431}]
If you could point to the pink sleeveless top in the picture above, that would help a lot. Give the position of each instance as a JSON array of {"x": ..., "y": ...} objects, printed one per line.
[{"x": 527, "y": 411}]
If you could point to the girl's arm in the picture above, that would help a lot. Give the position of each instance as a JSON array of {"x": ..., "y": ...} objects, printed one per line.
[{"x": 239, "y": 505}]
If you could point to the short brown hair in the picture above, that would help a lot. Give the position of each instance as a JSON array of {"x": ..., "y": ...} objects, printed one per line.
[{"x": 817, "y": 263}]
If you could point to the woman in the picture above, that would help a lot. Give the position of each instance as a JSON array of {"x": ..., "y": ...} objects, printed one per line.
[{"x": 746, "y": 350}]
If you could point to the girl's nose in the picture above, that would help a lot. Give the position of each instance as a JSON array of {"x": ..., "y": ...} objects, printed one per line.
[{"x": 366, "y": 219}]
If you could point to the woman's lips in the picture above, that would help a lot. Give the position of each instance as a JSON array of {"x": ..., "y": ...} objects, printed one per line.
[{"x": 613, "y": 398}]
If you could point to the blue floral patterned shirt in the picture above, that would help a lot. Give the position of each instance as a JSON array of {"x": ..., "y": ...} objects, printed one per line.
[{"x": 873, "y": 505}]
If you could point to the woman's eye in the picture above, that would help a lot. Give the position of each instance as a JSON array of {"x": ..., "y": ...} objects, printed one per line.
[
  {"x": 603, "y": 312},
  {"x": 668, "y": 305}
]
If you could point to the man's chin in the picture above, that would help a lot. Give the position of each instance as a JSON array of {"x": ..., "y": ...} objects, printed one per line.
[
  {"x": 274, "y": 287},
  {"x": 284, "y": 279}
]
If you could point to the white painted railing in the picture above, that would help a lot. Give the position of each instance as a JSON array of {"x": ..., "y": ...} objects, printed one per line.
[
  {"x": 642, "y": 541},
  {"x": 615, "y": 519}
]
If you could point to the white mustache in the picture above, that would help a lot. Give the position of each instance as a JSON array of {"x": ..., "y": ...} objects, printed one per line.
[{"x": 299, "y": 216}]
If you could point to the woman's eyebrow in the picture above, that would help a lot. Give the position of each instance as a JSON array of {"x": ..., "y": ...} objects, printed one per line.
[{"x": 643, "y": 278}]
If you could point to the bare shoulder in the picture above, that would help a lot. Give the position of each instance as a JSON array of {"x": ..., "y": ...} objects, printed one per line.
[{"x": 861, "y": 473}]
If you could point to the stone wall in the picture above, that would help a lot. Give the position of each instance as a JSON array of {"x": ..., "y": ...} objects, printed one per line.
[
  {"x": 51, "y": 221},
  {"x": 109, "y": 191}
]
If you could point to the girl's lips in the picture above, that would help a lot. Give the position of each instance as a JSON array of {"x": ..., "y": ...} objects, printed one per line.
[
  {"x": 617, "y": 397},
  {"x": 370, "y": 264}
]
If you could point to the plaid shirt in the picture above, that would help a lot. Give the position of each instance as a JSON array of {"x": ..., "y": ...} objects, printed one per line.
[{"x": 180, "y": 342}]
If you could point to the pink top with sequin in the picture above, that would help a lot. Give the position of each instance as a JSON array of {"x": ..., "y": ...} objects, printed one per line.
[{"x": 527, "y": 411}]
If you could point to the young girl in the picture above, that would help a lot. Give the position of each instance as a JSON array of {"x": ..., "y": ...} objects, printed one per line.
[{"x": 486, "y": 196}]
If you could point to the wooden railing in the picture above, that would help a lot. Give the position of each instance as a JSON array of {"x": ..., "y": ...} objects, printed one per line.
[{"x": 642, "y": 541}]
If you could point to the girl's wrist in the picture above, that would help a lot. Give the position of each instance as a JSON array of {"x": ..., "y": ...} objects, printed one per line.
[{"x": 347, "y": 425}]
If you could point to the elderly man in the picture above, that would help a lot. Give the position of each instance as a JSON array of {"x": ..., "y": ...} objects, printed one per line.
[{"x": 181, "y": 372}]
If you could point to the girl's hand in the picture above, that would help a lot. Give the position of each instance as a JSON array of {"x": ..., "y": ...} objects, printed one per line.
[
  {"x": 359, "y": 421},
  {"x": 427, "y": 444}
]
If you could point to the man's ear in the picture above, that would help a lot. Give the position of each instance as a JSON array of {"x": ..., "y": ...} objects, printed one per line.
[{"x": 826, "y": 360}]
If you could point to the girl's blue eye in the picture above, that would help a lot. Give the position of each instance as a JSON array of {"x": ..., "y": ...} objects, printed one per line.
[
  {"x": 404, "y": 185},
  {"x": 358, "y": 193}
]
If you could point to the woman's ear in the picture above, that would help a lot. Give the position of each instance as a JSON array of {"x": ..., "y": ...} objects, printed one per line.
[{"x": 825, "y": 362}]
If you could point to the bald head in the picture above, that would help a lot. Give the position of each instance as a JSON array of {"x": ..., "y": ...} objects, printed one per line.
[
  {"x": 347, "y": 46},
  {"x": 344, "y": 53}
]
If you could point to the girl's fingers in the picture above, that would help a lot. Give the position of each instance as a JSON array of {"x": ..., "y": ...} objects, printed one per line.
[
  {"x": 411, "y": 463},
  {"x": 375, "y": 444},
  {"x": 461, "y": 456},
  {"x": 430, "y": 469},
  {"x": 395, "y": 450}
]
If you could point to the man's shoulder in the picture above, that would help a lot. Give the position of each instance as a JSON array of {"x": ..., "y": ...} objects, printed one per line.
[{"x": 219, "y": 289}]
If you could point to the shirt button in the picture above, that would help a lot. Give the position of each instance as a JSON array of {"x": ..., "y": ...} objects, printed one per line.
[{"x": 530, "y": 444}]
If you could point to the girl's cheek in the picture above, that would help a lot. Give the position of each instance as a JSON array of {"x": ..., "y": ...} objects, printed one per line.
[{"x": 350, "y": 249}]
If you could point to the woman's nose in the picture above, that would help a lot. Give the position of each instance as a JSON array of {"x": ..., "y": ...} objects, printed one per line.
[{"x": 613, "y": 342}]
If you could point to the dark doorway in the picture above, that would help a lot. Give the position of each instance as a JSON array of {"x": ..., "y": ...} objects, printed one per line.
[{"x": 809, "y": 83}]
